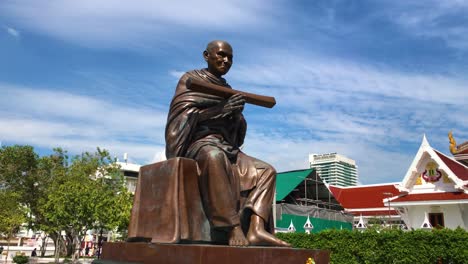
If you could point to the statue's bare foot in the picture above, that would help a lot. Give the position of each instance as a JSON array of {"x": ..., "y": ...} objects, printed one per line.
[
  {"x": 263, "y": 238},
  {"x": 237, "y": 237},
  {"x": 258, "y": 236}
]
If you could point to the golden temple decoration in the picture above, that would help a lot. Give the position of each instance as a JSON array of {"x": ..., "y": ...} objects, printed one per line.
[
  {"x": 453, "y": 144},
  {"x": 446, "y": 178},
  {"x": 418, "y": 181}
]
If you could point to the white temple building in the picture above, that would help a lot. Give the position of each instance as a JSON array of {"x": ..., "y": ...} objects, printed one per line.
[{"x": 432, "y": 194}]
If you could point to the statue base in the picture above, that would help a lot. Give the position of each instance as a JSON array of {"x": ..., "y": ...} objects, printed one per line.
[{"x": 124, "y": 252}]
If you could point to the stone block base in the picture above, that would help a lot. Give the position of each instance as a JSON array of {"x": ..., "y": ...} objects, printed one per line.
[{"x": 121, "y": 252}]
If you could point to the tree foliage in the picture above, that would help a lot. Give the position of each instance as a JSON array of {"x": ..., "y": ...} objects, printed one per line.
[
  {"x": 18, "y": 174},
  {"x": 62, "y": 194},
  {"x": 87, "y": 193},
  {"x": 12, "y": 213}
]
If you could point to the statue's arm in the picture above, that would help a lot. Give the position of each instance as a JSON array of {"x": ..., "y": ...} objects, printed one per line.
[
  {"x": 221, "y": 91},
  {"x": 210, "y": 113}
]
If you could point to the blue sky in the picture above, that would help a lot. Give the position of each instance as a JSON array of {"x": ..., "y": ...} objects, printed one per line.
[{"x": 362, "y": 78}]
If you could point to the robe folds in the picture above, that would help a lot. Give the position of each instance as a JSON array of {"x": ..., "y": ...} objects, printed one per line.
[{"x": 230, "y": 181}]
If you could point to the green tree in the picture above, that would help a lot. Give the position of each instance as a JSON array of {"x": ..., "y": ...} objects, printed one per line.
[
  {"x": 12, "y": 215},
  {"x": 50, "y": 169},
  {"x": 28, "y": 176},
  {"x": 60, "y": 194},
  {"x": 86, "y": 194},
  {"x": 18, "y": 173}
]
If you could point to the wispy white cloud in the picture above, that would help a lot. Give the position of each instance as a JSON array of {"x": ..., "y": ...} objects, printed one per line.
[
  {"x": 15, "y": 33},
  {"x": 375, "y": 165},
  {"x": 47, "y": 118},
  {"x": 324, "y": 105},
  {"x": 176, "y": 74},
  {"x": 328, "y": 78},
  {"x": 371, "y": 113},
  {"x": 120, "y": 23},
  {"x": 434, "y": 19}
]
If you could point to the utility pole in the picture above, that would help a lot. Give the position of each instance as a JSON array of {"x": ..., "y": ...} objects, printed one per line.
[{"x": 388, "y": 194}]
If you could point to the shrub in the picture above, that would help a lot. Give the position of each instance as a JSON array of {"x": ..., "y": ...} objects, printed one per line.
[
  {"x": 20, "y": 259},
  {"x": 387, "y": 246}
]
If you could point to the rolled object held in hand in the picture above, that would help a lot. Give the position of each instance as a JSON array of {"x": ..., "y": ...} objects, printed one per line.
[{"x": 225, "y": 92}]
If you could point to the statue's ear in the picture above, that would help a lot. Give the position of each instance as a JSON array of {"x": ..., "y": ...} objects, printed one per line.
[{"x": 205, "y": 55}]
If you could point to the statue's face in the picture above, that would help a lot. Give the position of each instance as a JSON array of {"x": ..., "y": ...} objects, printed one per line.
[{"x": 219, "y": 58}]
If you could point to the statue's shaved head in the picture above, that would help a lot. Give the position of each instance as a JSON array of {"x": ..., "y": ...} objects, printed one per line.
[
  {"x": 218, "y": 55},
  {"x": 217, "y": 43}
]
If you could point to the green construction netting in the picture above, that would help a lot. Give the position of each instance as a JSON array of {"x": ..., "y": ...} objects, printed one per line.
[
  {"x": 319, "y": 224},
  {"x": 287, "y": 181}
]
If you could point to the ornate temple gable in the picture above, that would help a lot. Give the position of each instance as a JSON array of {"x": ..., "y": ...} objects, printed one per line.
[{"x": 432, "y": 172}]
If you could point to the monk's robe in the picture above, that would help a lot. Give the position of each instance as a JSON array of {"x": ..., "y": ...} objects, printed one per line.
[{"x": 232, "y": 184}]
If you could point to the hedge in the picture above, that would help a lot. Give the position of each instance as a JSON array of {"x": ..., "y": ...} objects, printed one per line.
[{"x": 387, "y": 246}]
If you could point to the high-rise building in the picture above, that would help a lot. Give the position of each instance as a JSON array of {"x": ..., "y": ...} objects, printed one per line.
[{"x": 335, "y": 169}]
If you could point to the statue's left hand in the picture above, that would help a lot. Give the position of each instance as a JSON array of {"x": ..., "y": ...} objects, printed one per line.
[{"x": 234, "y": 105}]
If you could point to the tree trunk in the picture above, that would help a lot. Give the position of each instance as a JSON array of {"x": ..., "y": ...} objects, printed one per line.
[
  {"x": 44, "y": 245},
  {"x": 57, "y": 243},
  {"x": 76, "y": 248},
  {"x": 70, "y": 243},
  {"x": 8, "y": 247},
  {"x": 99, "y": 244}
]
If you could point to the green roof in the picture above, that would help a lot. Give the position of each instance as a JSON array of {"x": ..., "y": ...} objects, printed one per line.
[{"x": 288, "y": 181}]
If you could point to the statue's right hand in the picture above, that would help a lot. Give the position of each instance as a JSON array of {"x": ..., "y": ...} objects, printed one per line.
[{"x": 235, "y": 104}]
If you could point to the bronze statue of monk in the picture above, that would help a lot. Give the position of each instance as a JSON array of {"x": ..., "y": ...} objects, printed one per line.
[{"x": 237, "y": 190}]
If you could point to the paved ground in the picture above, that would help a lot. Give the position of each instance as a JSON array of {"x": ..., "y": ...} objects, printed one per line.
[
  {"x": 47, "y": 260},
  {"x": 27, "y": 252}
]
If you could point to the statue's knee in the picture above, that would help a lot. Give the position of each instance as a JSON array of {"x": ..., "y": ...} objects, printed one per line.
[{"x": 211, "y": 155}]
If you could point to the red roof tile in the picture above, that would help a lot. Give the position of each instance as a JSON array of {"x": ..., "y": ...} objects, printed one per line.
[
  {"x": 432, "y": 197},
  {"x": 456, "y": 167},
  {"x": 363, "y": 197},
  {"x": 464, "y": 151},
  {"x": 462, "y": 148}
]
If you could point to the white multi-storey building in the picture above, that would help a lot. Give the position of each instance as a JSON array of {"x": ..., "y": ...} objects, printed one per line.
[
  {"x": 130, "y": 171},
  {"x": 335, "y": 169}
]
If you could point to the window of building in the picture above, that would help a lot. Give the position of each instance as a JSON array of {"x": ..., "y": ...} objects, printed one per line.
[
  {"x": 133, "y": 174},
  {"x": 436, "y": 219}
]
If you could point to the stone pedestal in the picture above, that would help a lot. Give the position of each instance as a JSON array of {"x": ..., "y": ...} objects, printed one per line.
[
  {"x": 167, "y": 207},
  {"x": 121, "y": 252}
]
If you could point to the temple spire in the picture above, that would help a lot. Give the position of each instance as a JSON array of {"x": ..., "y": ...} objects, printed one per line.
[
  {"x": 361, "y": 225},
  {"x": 424, "y": 141},
  {"x": 308, "y": 225},
  {"x": 291, "y": 227},
  {"x": 426, "y": 223}
]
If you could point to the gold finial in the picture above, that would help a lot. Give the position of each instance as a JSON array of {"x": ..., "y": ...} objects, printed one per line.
[
  {"x": 310, "y": 261},
  {"x": 453, "y": 144}
]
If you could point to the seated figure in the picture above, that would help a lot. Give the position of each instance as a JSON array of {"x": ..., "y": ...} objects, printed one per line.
[{"x": 237, "y": 190}]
